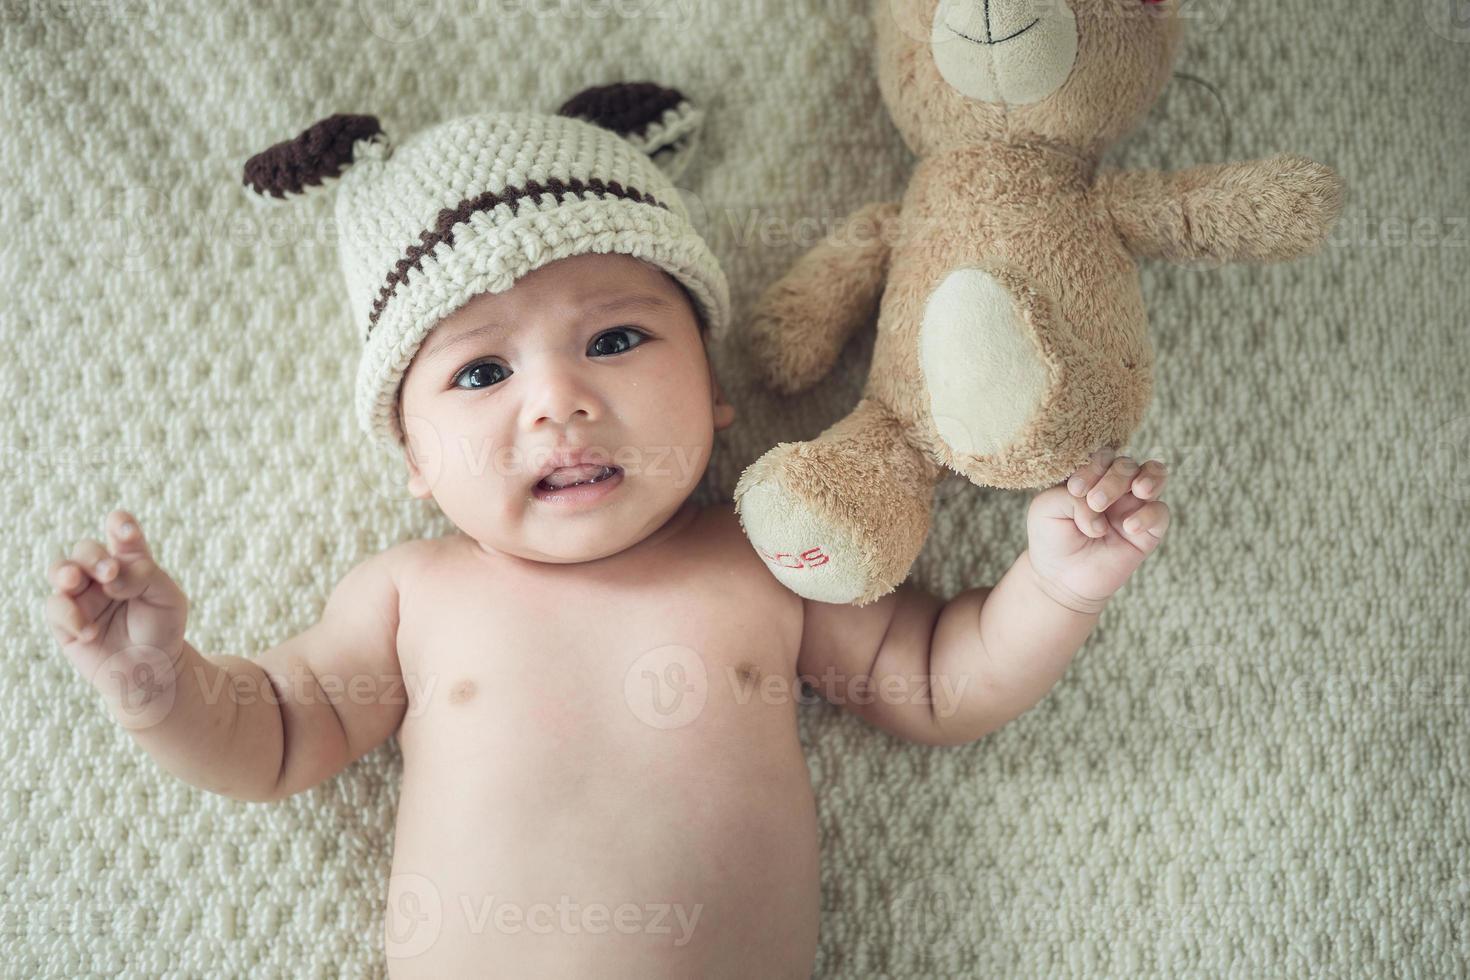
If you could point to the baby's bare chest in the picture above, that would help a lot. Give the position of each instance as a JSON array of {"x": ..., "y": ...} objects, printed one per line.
[
  {"x": 608, "y": 669},
  {"x": 613, "y": 742}
]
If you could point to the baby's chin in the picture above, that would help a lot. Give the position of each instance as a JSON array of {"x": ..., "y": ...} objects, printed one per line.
[
  {"x": 550, "y": 536},
  {"x": 573, "y": 548}
]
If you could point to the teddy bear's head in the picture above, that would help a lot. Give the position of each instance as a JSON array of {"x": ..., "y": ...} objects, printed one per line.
[{"x": 1079, "y": 73}]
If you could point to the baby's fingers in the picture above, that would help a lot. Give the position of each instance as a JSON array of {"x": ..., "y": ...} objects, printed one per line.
[
  {"x": 123, "y": 572},
  {"x": 87, "y": 554},
  {"x": 74, "y": 619},
  {"x": 125, "y": 537},
  {"x": 1145, "y": 527},
  {"x": 1082, "y": 480},
  {"x": 131, "y": 578},
  {"x": 67, "y": 577},
  {"x": 139, "y": 575},
  {"x": 1150, "y": 480},
  {"x": 1089, "y": 522},
  {"x": 115, "y": 575},
  {"x": 1114, "y": 484}
]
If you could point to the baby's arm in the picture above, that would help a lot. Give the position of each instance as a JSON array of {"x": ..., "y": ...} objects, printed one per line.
[
  {"x": 948, "y": 673},
  {"x": 252, "y": 729},
  {"x": 313, "y": 704},
  {"x": 944, "y": 673}
]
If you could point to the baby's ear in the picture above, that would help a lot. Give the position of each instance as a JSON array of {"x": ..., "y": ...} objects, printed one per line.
[
  {"x": 659, "y": 121},
  {"x": 724, "y": 409}
]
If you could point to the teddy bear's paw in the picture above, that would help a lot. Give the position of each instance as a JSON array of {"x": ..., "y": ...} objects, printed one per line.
[
  {"x": 783, "y": 359},
  {"x": 1264, "y": 210},
  {"x": 804, "y": 547},
  {"x": 803, "y": 321},
  {"x": 1304, "y": 198},
  {"x": 840, "y": 518},
  {"x": 986, "y": 373}
]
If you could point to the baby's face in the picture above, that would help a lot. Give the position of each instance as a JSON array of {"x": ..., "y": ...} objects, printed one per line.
[{"x": 597, "y": 353}]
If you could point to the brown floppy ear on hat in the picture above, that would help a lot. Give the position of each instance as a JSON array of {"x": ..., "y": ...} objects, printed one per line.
[
  {"x": 308, "y": 163},
  {"x": 660, "y": 121}
]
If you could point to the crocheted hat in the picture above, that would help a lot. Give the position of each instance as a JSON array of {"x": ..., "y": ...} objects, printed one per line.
[{"x": 472, "y": 204}]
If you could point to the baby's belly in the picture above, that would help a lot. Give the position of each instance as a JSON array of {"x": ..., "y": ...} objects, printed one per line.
[{"x": 543, "y": 836}]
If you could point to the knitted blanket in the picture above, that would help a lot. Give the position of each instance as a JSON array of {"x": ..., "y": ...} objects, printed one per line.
[{"x": 1255, "y": 767}]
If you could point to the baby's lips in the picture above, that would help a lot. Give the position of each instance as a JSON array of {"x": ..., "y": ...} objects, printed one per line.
[{"x": 567, "y": 475}]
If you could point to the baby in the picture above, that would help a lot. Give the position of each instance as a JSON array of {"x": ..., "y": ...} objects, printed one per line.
[{"x": 593, "y": 681}]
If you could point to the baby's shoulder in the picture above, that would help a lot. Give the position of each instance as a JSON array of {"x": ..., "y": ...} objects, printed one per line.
[
  {"x": 404, "y": 556},
  {"x": 719, "y": 525},
  {"x": 723, "y": 540},
  {"x": 720, "y": 517},
  {"x": 394, "y": 565}
]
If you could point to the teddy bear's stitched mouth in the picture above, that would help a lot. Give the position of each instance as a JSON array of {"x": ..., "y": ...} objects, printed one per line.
[{"x": 999, "y": 40}]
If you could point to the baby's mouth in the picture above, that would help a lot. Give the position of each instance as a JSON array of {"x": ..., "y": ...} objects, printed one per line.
[{"x": 573, "y": 476}]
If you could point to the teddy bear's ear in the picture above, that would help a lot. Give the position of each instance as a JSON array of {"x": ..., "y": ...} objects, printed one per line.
[
  {"x": 659, "y": 121},
  {"x": 315, "y": 157}
]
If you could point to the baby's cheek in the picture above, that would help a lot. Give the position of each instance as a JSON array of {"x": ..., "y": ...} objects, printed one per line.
[{"x": 689, "y": 453}]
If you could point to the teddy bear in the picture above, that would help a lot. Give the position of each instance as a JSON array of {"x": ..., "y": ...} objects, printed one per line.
[{"x": 1011, "y": 330}]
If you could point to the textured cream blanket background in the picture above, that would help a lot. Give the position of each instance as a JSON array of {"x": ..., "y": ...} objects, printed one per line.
[{"x": 1257, "y": 766}]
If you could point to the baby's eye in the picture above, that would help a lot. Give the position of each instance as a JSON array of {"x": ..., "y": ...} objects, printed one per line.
[
  {"x": 490, "y": 372},
  {"x": 613, "y": 346}
]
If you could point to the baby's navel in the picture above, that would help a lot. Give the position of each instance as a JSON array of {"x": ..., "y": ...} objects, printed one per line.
[
  {"x": 462, "y": 691},
  {"x": 748, "y": 673}
]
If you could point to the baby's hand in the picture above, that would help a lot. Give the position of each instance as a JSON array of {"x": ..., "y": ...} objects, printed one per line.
[
  {"x": 118, "y": 602},
  {"x": 1089, "y": 534}
]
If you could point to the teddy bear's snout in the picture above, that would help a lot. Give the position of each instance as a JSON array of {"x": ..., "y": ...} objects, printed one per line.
[
  {"x": 990, "y": 22},
  {"x": 1010, "y": 51}
]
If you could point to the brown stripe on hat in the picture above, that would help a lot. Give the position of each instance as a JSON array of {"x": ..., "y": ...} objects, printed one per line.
[
  {"x": 626, "y": 108},
  {"x": 443, "y": 230},
  {"x": 317, "y": 153}
]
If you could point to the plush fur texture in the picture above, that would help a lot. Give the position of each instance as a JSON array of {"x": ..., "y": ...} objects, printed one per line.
[{"x": 1005, "y": 199}]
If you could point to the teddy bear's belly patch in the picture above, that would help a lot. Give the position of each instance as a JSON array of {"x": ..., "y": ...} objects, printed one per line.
[{"x": 984, "y": 373}]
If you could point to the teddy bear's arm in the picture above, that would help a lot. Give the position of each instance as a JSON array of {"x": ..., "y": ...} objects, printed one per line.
[
  {"x": 1260, "y": 211},
  {"x": 805, "y": 318}
]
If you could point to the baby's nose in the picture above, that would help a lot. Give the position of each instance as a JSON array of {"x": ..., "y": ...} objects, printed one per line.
[{"x": 560, "y": 394}]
